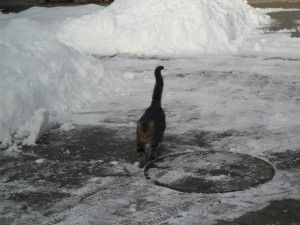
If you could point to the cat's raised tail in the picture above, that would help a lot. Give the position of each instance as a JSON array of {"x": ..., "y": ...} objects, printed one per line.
[{"x": 158, "y": 89}]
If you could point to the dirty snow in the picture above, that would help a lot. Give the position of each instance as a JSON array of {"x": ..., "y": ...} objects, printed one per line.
[
  {"x": 34, "y": 128},
  {"x": 39, "y": 161},
  {"x": 67, "y": 127}
]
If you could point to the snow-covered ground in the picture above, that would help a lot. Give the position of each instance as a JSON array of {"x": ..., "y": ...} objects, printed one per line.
[
  {"x": 222, "y": 73},
  {"x": 45, "y": 53}
]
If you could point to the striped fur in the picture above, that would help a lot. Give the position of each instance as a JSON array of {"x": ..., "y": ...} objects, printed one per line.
[{"x": 151, "y": 126}]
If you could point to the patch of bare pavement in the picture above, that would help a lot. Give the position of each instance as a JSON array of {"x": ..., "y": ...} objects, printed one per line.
[
  {"x": 288, "y": 20},
  {"x": 68, "y": 158},
  {"x": 285, "y": 20},
  {"x": 283, "y": 212},
  {"x": 275, "y": 3}
]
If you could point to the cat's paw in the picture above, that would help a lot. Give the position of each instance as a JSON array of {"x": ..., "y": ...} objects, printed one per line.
[
  {"x": 142, "y": 160},
  {"x": 136, "y": 164},
  {"x": 141, "y": 164}
]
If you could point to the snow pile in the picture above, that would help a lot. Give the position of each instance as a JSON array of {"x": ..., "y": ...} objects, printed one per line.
[
  {"x": 67, "y": 127},
  {"x": 33, "y": 129},
  {"x": 12, "y": 151},
  {"x": 163, "y": 27},
  {"x": 38, "y": 71}
]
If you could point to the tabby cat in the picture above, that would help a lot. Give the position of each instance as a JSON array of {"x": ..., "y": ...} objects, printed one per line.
[{"x": 151, "y": 126}]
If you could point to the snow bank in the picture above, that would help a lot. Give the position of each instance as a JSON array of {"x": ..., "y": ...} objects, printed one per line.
[
  {"x": 33, "y": 129},
  {"x": 38, "y": 71},
  {"x": 163, "y": 27}
]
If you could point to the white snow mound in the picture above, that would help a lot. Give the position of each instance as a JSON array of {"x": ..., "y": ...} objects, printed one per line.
[
  {"x": 163, "y": 27},
  {"x": 67, "y": 127},
  {"x": 38, "y": 71},
  {"x": 34, "y": 128}
]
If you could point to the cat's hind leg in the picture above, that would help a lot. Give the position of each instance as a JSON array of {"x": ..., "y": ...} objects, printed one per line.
[
  {"x": 140, "y": 148},
  {"x": 153, "y": 153}
]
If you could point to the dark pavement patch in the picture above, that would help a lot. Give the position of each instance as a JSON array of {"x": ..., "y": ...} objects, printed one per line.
[
  {"x": 38, "y": 200},
  {"x": 284, "y": 20},
  {"x": 286, "y": 160},
  {"x": 87, "y": 143},
  {"x": 283, "y": 212},
  {"x": 71, "y": 157}
]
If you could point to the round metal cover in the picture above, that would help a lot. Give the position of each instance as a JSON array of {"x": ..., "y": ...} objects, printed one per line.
[{"x": 208, "y": 171}]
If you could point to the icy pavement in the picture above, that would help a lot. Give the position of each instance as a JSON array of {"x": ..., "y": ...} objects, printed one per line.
[
  {"x": 246, "y": 103},
  {"x": 87, "y": 177}
]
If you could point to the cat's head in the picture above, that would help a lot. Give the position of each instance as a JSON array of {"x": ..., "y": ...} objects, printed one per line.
[{"x": 159, "y": 68}]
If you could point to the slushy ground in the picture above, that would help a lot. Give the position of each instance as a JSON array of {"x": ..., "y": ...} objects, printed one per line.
[{"x": 89, "y": 169}]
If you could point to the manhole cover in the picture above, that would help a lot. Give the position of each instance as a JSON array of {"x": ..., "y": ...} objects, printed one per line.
[{"x": 209, "y": 172}]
